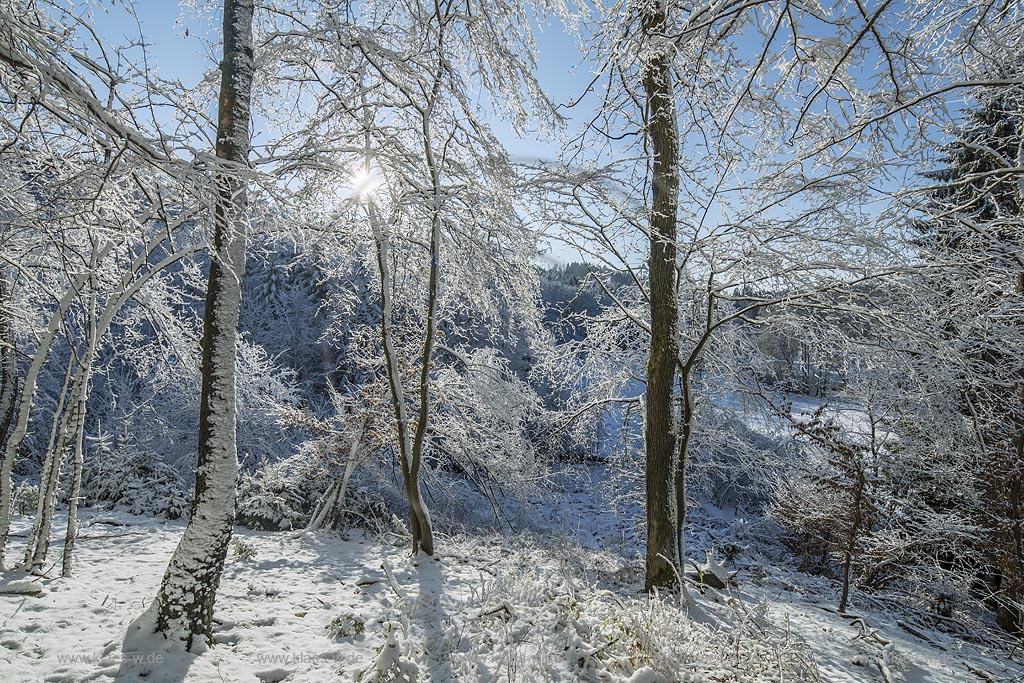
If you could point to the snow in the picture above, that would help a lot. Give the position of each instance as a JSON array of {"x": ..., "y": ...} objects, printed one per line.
[
  {"x": 316, "y": 606},
  {"x": 16, "y": 587}
]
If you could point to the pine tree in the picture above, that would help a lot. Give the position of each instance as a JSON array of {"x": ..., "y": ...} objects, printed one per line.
[{"x": 975, "y": 232}]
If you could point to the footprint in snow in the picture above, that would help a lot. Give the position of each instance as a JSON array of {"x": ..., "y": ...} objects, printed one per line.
[
  {"x": 273, "y": 675},
  {"x": 226, "y": 638}
]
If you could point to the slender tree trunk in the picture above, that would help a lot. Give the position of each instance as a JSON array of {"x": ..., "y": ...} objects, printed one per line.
[
  {"x": 426, "y": 535},
  {"x": 419, "y": 519},
  {"x": 8, "y": 360},
  {"x": 1010, "y": 602},
  {"x": 76, "y": 488},
  {"x": 660, "y": 427},
  {"x": 28, "y": 394},
  {"x": 49, "y": 477},
  {"x": 75, "y": 393},
  {"x": 65, "y": 432},
  {"x": 850, "y": 549},
  {"x": 79, "y": 456},
  {"x": 184, "y": 605},
  {"x": 686, "y": 424},
  {"x": 328, "y": 510}
]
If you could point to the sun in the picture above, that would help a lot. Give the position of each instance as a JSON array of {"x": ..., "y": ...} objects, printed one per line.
[{"x": 364, "y": 182}]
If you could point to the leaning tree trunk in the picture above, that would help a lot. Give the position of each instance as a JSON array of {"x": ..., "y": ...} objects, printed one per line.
[
  {"x": 72, "y": 419},
  {"x": 660, "y": 427},
  {"x": 24, "y": 404},
  {"x": 328, "y": 511},
  {"x": 67, "y": 431},
  {"x": 184, "y": 605}
]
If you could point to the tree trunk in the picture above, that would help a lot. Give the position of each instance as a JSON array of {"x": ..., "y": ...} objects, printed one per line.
[
  {"x": 76, "y": 488},
  {"x": 184, "y": 605},
  {"x": 419, "y": 519},
  {"x": 425, "y": 533},
  {"x": 327, "y": 514},
  {"x": 49, "y": 477},
  {"x": 1010, "y": 602},
  {"x": 686, "y": 431},
  {"x": 79, "y": 457},
  {"x": 660, "y": 428},
  {"x": 850, "y": 548},
  {"x": 8, "y": 360},
  {"x": 28, "y": 394}
]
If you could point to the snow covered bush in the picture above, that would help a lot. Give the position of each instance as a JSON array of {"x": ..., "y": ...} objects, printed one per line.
[
  {"x": 829, "y": 502},
  {"x": 136, "y": 481},
  {"x": 242, "y": 550},
  {"x": 25, "y": 498},
  {"x": 346, "y": 625},
  {"x": 276, "y": 496},
  {"x": 535, "y": 622}
]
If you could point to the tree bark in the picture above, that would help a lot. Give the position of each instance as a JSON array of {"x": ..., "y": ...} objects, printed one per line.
[
  {"x": 24, "y": 405},
  {"x": 419, "y": 518},
  {"x": 184, "y": 605},
  {"x": 49, "y": 477},
  {"x": 8, "y": 361},
  {"x": 660, "y": 428},
  {"x": 82, "y": 395}
]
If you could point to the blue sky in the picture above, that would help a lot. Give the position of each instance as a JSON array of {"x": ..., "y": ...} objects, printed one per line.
[
  {"x": 183, "y": 46},
  {"x": 186, "y": 57}
]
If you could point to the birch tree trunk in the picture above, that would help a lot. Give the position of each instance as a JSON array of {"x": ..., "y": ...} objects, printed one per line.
[
  {"x": 328, "y": 510},
  {"x": 24, "y": 408},
  {"x": 660, "y": 428},
  {"x": 71, "y": 407},
  {"x": 184, "y": 605},
  {"x": 8, "y": 362},
  {"x": 79, "y": 456},
  {"x": 49, "y": 476}
]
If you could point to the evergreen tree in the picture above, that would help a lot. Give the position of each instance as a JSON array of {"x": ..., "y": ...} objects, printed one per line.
[{"x": 974, "y": 237}]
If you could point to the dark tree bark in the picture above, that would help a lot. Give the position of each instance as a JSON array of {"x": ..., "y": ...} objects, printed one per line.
[
  {"x": 660, "y": 429},
  {"x": 184, "y": 605}
]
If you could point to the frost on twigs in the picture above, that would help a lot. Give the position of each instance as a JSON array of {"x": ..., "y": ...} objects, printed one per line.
[
  {"x": 533, "y": 622},
  {"x": 390, "y": 664},
  {"x": 346, "y": 625}
]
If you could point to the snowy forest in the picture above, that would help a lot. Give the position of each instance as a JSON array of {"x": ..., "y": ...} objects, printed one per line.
[{"x": 619, "y": 341}]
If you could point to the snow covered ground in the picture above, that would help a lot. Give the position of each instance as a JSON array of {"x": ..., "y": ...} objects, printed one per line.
[{"x": 304, "y": 607}]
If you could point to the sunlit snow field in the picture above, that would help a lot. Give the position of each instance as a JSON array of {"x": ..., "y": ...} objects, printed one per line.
[{"x": 537, "y": 606}]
